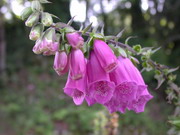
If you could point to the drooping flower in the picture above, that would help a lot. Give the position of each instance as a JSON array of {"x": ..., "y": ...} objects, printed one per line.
[
  {"x": 36, "y": 31},
  {"x": 131, "y": 91},
  {"x": 61, "y": 62},
  {"x": 77, "y": 64},
  {"x": 75, "y": 39},
  {"x": 105, "y": 55},
  {"x": 76, "y": 89},
  {"x": 100, "y": 88},
  {"x": 49, "y": 43},
  {"x": 36, "y": 48}
]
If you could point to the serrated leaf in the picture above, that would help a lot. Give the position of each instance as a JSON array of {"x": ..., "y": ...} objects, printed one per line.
[
  {"x": 160, "y": 80},
  {"x": 71, "y": 20},
  {"x": 87, "y": 28},
  {"x": 126, "y": 41},
  {"x": 119, "y": 34},
  {"x": 173, "y": 69}
]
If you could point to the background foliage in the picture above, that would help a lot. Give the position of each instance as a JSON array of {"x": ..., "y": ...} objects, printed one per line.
[{"x": 32, "y": 101}]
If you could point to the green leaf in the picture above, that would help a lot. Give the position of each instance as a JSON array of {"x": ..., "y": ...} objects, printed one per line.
[
  {"x": 81, "y": 28},
  {"x": 98, "y": 36},
  {"x": 160, "y": 80},
  {"x": 68, "y": 48},
  {"x": 145, "y": 49},
  {"x": 121, "y": 52},
  {"x": 55, "y": 16},
  {"x": 176, "y": 123},
  {"x": 61, "y": 25},
  {"x": 102, "y": 30},
  {"x": 95, "y": 29},
  {"x": 173, "y": 70},
  {"x": 119, "y": 34},
  {"x": 86, "y": 29},
  {"x": 71, "y": 20},
  {"x": 126, "y": 41},
  {"x": 45, "y": 1},
  {"x": 69, "y": 29},
  {"x": 110, "y": 37},
  {"x": 155, "y": 50}
]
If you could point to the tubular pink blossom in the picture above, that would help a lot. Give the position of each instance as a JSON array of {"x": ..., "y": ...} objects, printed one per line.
[
  {"x": 76, "y": 89},
  {"x": 49, "y": 45},
  {"x": 77, "y": 64},
  {"x": 131, "y": 91},
  {"x": 61, "y": 62},
  {"x": 105, "y": 55},
  {"x": 36, "y": 48},
  {"x": 75, "y": 40},
  {"x": 100, "y": 88}
]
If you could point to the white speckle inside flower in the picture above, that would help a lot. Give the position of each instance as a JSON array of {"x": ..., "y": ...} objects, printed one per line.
[{"x": 78, "y": 9}]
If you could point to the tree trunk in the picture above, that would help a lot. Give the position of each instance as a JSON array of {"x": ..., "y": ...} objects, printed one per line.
[{"x": 2, "y": 49}]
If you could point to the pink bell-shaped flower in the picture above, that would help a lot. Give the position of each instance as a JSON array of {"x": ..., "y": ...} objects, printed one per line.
[
  {"x": 77, "y": 64},
  {"x": 49, "y": 44},
  {"x": 36, "y": 48},
  {"x": 75, "y": 39},
  {"x": 100, "y": 88},
  {"x": 76, "y": 89},
  {"x": 61, "y": 62},
  {"x": 105, "y": 55},
  {"x": 131, "y": 91}
]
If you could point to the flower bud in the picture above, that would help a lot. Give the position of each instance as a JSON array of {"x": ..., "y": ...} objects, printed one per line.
[
  {"x": 75, "y": 39},
  {"x": 50, "y": 34},
  {"x": 49, "y": 42},
  {"x": 33, "y": 19},
  {"x": 61, "y": 62},
  {"x": 36, "y": 6},
  {"x": 46, "y": 19},
  {"x": 36, "y": 48},
  {"x": 77, "y": 64},
  {"x": 36, "y": 31},
  {"x": 26, "y": 13}
]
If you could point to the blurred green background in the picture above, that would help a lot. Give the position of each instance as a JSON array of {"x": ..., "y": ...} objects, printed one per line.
[{"x": 32, "y": 101}]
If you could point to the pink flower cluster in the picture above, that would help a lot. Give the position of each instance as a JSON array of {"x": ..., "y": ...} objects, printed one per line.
[{"x": 102, "y": 78}]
